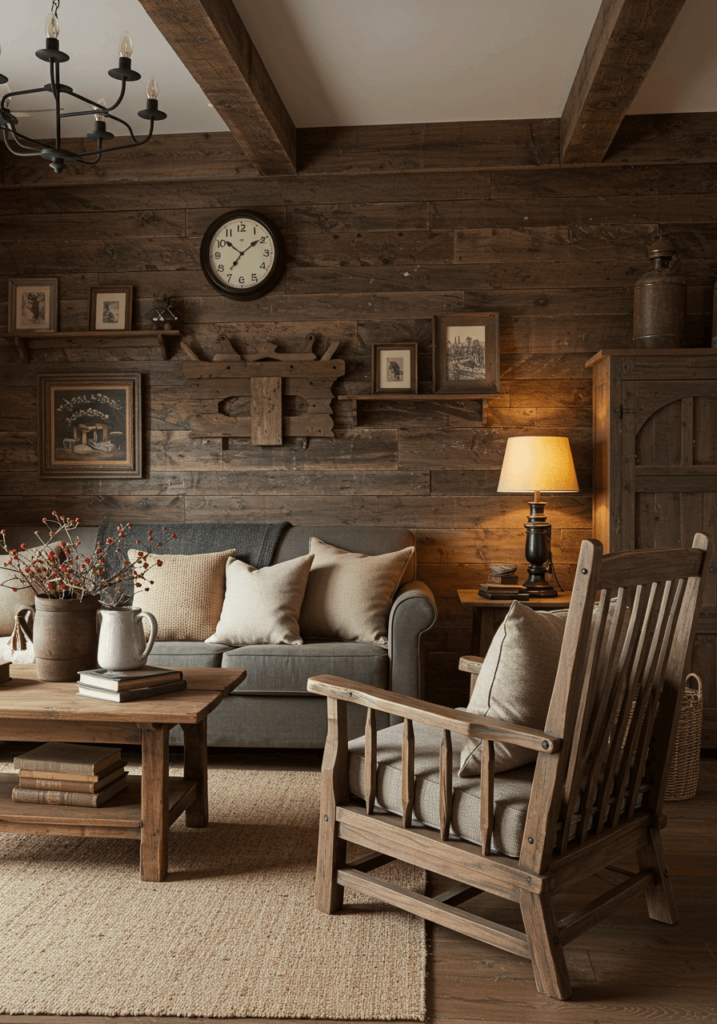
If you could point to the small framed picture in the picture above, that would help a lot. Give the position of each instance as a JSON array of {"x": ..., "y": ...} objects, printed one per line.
[
  {"x": 32, "y": 305},
  {"x": 466, "y": 359},
  {"x": 395, "y": 368},
  {"x": 90, "y": 425},
  {"x": 110, "y": 309}
]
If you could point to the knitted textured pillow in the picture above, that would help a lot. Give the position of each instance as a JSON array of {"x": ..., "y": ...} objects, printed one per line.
[
  {"x": 349, "y": 595},
  {"x": 261, "y": 606},
  {"x": 187, "y": 594}
]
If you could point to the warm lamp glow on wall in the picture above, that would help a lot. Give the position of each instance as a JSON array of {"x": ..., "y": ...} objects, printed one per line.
[{"x": 538, "y": 464}]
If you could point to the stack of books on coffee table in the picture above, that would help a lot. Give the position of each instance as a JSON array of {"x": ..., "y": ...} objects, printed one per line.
[
  {"x": 132, "y": 684},
  {"x": 81, "y": 775}
]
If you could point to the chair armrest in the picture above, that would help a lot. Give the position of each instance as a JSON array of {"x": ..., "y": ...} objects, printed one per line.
[
  {"x": 461, "y": 722},
  {"x": 412, "y": 613}
]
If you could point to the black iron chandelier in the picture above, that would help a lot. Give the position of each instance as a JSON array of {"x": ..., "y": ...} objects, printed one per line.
[{"x": 22, "y": 145}]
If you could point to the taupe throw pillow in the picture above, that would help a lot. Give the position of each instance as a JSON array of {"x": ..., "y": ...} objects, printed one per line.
[
  {"x": 261, "y": 606},
  {"x": 187, "y": 594},
  {"x": 516, "y": 682},
  {"x": 349, "y": 595},
  {"x": 11, "y": 601}
]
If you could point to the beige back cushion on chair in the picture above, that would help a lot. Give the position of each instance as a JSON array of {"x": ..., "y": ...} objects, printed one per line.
[
  {"x": 516, "y": 682},
  {"x": 187, "y": 594},
  {"x": 349, "y": 595}
]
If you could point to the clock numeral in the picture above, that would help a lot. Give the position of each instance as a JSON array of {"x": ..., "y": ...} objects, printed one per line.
[
  {"x": 217, "y": 255},
  {"x": 229, "y": 232},
  {"x": 220, "y": 268},
  {"x": 242, "y": 227},
  {"x": 254, "y": 277},
  {"x": 262, "y": 239},
  {"x": 229, "y": 277},
  {"x": 267, "y": 252},
  {"x": 262, "y": 266},
  {"x": 221, "y": 243},
  {"x": 241, "y": 280}
]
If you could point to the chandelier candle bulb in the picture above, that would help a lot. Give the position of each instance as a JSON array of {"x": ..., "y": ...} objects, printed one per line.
[
  {"x": 52, "y": 27},
  {"x": 152, "y": 89},
  {"x": 100, "y": 112},
  {"x": 125, "y": 47}
]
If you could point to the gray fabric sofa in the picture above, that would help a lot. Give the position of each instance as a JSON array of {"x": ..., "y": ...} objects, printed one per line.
[{"x": 272, "y": 708}]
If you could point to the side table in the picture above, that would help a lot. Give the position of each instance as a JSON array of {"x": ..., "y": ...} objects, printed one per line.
[{"x": 487, "y": 614}]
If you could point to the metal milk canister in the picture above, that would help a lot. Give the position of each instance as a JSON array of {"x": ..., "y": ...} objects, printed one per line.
[{"x": 660, "y": 310}]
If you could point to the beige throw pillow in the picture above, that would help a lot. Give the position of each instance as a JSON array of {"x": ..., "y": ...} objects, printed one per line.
[
  {"x": 349, "y": 595},
  {"x": 516, "y": 682},
  {"x": 12, "y": 601},
  {"x": 187, "y": 594},
  {"x": 261, "y": 606}
]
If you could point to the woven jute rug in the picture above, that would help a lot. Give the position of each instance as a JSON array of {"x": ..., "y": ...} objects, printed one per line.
[{"x": 231, "y": 932}]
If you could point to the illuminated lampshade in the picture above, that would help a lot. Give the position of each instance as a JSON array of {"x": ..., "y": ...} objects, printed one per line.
[{"x": 537, "y": 464}]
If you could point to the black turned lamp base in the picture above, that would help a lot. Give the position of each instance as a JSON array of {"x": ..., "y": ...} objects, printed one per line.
[{"x": 537, "y": 550}]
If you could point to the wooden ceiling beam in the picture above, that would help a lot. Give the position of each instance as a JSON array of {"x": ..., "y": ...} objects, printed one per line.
[
  {"x": 210, "y": 39},
  {"x": 625, "y": 40}
]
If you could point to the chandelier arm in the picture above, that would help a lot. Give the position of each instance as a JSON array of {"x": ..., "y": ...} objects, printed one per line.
[
  {"x": 92, "y": 103},
  {"x": 18, "y": 136},
  {"x": 33, "y": 150},
  {"x": 131, "y": 145}
]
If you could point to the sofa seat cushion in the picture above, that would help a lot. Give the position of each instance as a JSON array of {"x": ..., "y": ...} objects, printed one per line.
[
  {"x": 511, "y": 793},
  {"x": 279, "y": 668},
  {"x": 187, "y": 654}
]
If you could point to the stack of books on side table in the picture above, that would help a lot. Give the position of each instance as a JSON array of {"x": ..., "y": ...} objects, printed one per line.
[
  {"x": 131, "y": 684},
  {"x": 70, "y": 773},
  {"x": 503, "y": 592}
]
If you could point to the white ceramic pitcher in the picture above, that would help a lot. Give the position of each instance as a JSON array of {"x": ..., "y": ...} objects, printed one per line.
[{"x": 122, "y": 645}]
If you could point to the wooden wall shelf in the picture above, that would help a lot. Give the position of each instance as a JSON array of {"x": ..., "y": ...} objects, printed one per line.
[
  {"x": 411, "y": 398},
  {"x": 24, "y": 343}
]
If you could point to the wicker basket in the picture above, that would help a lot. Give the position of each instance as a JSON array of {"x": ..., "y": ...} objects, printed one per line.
[{"x": 685, "y": 764}]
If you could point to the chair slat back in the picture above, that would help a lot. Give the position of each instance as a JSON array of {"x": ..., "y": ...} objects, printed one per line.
[{"x": 619, "y": 683}]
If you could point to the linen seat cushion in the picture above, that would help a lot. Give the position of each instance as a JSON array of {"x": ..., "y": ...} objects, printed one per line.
[
  {"x": 261, "y": 606},
  {"x": 349, "y": 595},
  {"x": 511, "y": 791},
  {"x": 278, "y": 668},
  {"x": 515, "y": 683},
  {"x": 187, "y": 654},
  {"x": 186, "y": 593}
]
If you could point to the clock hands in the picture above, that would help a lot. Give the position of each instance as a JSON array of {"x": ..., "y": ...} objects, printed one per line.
[{"x": 241, "y": 253}]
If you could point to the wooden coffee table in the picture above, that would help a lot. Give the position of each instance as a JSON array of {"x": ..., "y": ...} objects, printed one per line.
[{"x": 30, "y": 710}]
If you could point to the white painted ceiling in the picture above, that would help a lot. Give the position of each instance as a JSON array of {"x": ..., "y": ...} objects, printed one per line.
[{"x": 340, "y": 62}]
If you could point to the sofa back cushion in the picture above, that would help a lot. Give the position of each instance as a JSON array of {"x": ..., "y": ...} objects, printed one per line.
[
  {"x": 349, "y": 594},
  {"x": 186, "y": 595},
  {"x": 367, "y": 540}
]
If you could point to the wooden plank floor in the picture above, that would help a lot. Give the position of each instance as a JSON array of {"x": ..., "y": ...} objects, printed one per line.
[{"x": 626, "y": 970}]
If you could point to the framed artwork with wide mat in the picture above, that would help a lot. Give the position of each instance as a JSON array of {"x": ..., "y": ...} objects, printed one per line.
[
  {"x": 465, "y": 354},
  {"x": 32, "y": 305},
  {"x": 90, "y": 425}
]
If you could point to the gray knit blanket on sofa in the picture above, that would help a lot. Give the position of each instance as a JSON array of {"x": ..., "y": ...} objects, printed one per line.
[{"x": 254, "y": 543}]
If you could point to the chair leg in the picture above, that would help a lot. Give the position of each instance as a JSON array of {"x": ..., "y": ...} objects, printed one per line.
[
  {"x": 334, "y": 790},
  {"x": 661, "y": 905},
  {"x": 332, "y": 856},
  {"x": 541, "y": 929}
]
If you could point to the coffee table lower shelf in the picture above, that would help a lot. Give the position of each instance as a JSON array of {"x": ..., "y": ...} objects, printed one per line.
[{"x": 119, "y": 818}]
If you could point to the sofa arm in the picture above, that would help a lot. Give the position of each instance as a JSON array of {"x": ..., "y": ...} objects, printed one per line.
[{"x": 413, "y": 612}]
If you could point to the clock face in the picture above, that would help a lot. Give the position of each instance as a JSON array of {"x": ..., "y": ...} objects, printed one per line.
[{"x": 242, "y": 255}]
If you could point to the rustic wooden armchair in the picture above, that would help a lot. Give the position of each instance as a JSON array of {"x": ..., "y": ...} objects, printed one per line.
[{"x": 594, "y": 796}]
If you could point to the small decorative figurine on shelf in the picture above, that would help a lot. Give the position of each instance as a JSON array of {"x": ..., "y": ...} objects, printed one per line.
[{"x": 166, "y": 314}]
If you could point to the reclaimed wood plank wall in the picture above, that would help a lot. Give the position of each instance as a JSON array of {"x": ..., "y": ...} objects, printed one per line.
[{"x": 555, "y": 252}]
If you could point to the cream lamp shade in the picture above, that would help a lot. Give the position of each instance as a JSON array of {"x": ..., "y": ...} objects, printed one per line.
[{"x": 537, "y": 464}]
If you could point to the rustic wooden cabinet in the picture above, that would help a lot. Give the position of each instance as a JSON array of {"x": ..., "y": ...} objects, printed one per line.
[{"x": 655, "y": 469}]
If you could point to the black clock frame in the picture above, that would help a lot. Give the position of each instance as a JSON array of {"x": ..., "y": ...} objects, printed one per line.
[{"x": 272, "y": 278}]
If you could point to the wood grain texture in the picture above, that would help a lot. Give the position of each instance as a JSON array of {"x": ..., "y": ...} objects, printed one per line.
[
  {"x": 625, "y": 39},
  {"x": 210, "y": 39}
]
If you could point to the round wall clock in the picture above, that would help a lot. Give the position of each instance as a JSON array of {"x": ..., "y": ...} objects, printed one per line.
[{"x": 242, "y": 255}]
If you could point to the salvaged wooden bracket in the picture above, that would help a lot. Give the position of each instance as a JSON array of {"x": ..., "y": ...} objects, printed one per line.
[{"x": 266, "y": 378}]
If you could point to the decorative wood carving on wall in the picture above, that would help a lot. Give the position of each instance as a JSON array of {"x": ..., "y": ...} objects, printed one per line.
[{"x": 266, "y": 377}]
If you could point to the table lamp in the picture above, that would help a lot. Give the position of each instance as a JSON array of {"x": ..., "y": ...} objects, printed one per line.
[{"x": 537, "y": 464}]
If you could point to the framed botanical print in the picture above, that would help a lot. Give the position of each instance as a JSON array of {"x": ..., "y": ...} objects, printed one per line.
[
  {"x": 110, "y": 309},
  {"x": 395, "y": 368},
  {"x": 465, "y": 354},
  {"x": 90, "y": 425},
  {"x": 32, "y": 305}
]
